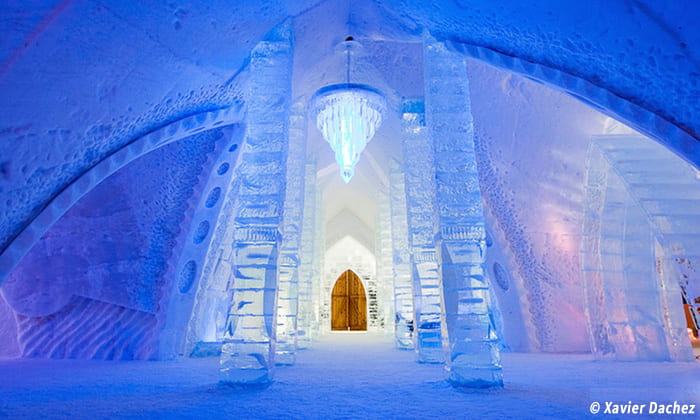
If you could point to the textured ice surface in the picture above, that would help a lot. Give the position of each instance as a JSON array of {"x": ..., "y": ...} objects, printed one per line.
[
  {"x": 531, "y": 173},
  {"x": 403, "y": 284},
  {"x": 420, "y": 207},
  {"x": 290, "y": 253},
  {"x": 306, "y": 269},
  {"x": 100, "y": 272},
  {"x": 468, "y": 328},
  {"x": 247, "y": 354},
  {"x": 639, "y": 248},
  {"x": 80, "y": 81}
]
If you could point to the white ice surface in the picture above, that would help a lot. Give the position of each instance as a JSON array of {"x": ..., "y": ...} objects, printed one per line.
[{"x": 345, "y": 375}]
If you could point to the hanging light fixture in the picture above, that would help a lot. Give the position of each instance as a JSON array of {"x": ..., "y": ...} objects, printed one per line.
[{"x": 348, "y": 114}]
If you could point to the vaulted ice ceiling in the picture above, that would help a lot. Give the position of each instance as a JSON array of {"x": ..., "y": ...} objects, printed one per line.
[{"x": 80, "y": 80}]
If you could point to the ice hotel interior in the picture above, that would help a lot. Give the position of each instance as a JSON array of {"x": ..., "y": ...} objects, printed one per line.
[{"x": 349, "y": 209}]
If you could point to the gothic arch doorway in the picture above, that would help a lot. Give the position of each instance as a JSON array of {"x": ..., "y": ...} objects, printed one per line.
[{"x": 348, "y": 303}]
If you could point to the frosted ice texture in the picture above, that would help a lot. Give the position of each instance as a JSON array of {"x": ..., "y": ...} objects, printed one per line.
[
  {"x": 306, "y": 269},
  {"x": 403, "y": 287},
  {"x": 247, "y": 355},
  {"x": 192, "y": 266},
  {"x": 640, "y": 237},
  {"x": 288, "y": 283},
  {"x": 468, "y": 331},
  {"x": 420, "y": 195}
]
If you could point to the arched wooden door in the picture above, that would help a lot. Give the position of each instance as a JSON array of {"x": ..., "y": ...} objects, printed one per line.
[{"x": 348, "y": 304}]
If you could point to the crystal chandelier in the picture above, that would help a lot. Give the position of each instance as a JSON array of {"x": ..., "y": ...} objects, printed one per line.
[{"x": 348, "y": 115}]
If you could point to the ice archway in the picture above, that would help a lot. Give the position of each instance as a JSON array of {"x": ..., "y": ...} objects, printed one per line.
[{"x": 80, "y": 102}]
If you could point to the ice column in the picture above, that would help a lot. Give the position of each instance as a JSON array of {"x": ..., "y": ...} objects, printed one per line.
[
  {"x": 318, "y": 263},
  {"x": 247, "y": 354},
  {"x": 420, "y": 194},
  {"x": 383, "y": 248},
  {"x": 468, "y": 331},
  {"x": 306, "y": 268},
  {"x": 288, "y": 295},
  {"x": 403, "y": 289}
]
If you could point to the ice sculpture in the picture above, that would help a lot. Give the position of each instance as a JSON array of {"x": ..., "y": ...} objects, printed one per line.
[
  {"x": 640, "y": 236},
  {"x": 247, "y": 354},
  {"x": 468, "y": 331},
  {"x": 420, "y": 195},
  {"x": 306, "y": 268},
  {"x": 403, "y": 287},
  {"x": 288, "y": 295}
]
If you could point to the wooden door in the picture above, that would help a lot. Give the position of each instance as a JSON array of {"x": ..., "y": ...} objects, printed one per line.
[{"x": 348, "y": 304}]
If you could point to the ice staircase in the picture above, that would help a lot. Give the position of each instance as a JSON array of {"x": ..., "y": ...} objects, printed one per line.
[{"x": 667, "y": 190}]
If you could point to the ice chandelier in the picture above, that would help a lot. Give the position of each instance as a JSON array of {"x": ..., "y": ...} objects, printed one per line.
[{"x": 348, "y": 115}]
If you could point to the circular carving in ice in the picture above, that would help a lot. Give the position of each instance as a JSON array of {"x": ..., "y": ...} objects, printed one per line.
[
  {"x": 501, "y": 275},
  {"x": 223, "y": 168},
  {"x": 213, "y": 197},
  {"x": 489, "y": 239},
  {"x": 201, "y": 233},
  {"x": 187, "y": 276}
]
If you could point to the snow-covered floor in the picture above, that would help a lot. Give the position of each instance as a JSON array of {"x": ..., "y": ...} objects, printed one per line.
[{"x": 345, "y": 375}]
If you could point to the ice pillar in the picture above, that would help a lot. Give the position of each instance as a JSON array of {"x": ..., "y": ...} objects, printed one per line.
[
  {"x": 420, "y": 194},
  {"x": 318, "y": 262},
  {"x": 384, "y": 250},
  {"x": 247, "y": 354},
  {"x": 403, "y": 289},
  {"x": 288, "y": 295},
  {"x": 468, "y": 331},
  {"x": 306, "y": 268}
]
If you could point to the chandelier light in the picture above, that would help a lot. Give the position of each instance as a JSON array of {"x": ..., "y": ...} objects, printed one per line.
[{"x": 348, "y": 115}]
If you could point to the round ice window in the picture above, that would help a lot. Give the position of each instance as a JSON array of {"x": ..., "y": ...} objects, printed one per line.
[
  {"x": 501, "y": 275},
  {"x": 187, "y": 276}
]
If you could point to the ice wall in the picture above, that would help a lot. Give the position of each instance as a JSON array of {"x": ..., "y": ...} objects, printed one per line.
[
  {"x": 103, "y": 270},
  {"x": 8, "y": 330},
  {"x": 531, "y": 145}
]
